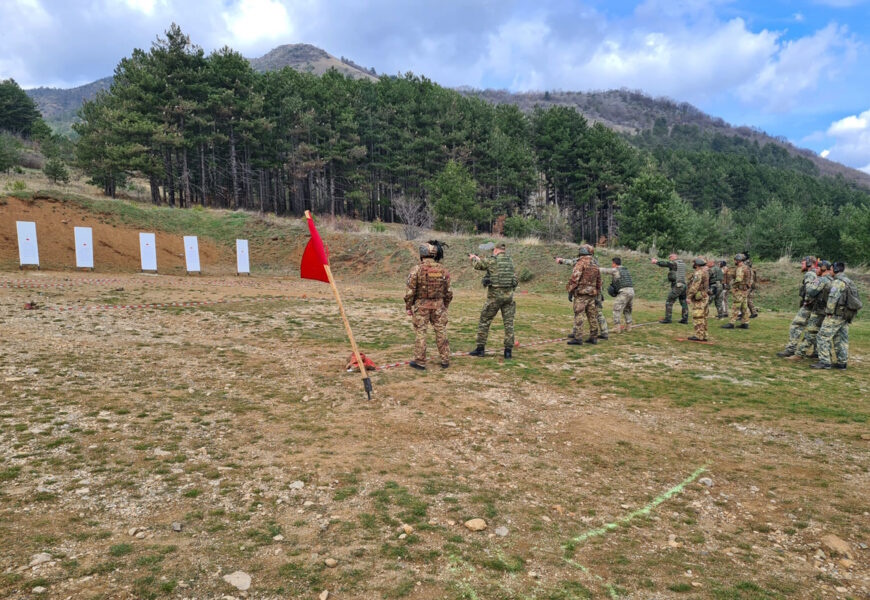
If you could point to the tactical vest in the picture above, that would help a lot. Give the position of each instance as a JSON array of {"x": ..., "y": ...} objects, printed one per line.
[
  {"x": 677, "y": 272},
  {"x": 819, "y": 303},
  {"x": 504, "y": 275},
  {"x": 431, "y": 282},
  {"x": 745, "y": 280},
  {"x": 716, "y": 276},
  {"x": 623, "y": 281}
]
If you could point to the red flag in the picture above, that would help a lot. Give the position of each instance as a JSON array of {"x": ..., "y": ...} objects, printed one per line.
[{"x": 315, "y": 257}]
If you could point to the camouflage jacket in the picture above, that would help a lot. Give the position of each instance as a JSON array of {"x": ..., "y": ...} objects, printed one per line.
[
  {"x": 698, "y": 285},
  {"x": 676, "y": 271},
  {"x": 428, "y": 286},
  {"x": 809, "y": 277},
  {"x": 585, "y": 278},
  {"x": 818, "y": 292},
  {"x": 742, "y": 278},
  {"x": 836, "y": 295}
]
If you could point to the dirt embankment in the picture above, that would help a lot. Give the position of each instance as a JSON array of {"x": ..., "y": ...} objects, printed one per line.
[{"x": 116, "y": 246}]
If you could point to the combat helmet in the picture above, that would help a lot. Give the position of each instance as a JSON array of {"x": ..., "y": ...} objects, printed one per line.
[
  {"x": 427, "y": 251},
  {"x": 699, "y": 262},
  {"x": 584, "y": 250},
  {"x": 739, "y": 257}
]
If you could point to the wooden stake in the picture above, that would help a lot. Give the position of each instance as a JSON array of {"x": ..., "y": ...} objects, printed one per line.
[{"x": 367, "y": 383}]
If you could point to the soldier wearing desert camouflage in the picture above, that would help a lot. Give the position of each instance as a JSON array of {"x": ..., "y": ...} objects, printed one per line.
[{"x": 427, "y": 298}]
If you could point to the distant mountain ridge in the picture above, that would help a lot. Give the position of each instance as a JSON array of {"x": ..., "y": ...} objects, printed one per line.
[{"x": 621, "y": 110}]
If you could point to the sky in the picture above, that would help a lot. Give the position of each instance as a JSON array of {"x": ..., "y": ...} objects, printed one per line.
[{"x": 795, "y": 69}]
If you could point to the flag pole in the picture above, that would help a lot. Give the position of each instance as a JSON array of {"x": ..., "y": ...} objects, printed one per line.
[{"x": 367, "y": 383}]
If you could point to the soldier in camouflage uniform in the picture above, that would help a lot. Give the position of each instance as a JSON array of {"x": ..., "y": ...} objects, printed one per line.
[
  {"x": 584, "y": 287},
  {"x": 727, "y": 278},
  {"x": 717, "y": 288},
  {"x": 500, "y": 281},
  {"x": 622, "y": 285},
  {"x": 427, "y": 298},
  {"x": 603, "y": 331},
  {"x": 677, "y": 278},
  {"x": 753, "y": 286},
  {"x": 799, "y": 323},
  {"x": 833, "y": 340},
  {"x": 739, "y": 291},
  {"x": 817, "y": 297},
  {"x": 699, "y": 298}
]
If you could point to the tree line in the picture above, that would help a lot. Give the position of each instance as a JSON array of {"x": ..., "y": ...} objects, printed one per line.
[{"x": 209, "y": 130}]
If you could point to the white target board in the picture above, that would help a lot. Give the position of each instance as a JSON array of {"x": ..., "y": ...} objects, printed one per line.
[
  {"x": 148, "y": 251},
  {"x": 28, "y": 250},
  {"x": 191, "y": 253},
  {"x": 84, "y": 248},
  {"x": 242, "y": 258}
]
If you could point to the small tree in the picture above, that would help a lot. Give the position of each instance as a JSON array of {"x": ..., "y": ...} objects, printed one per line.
[
  {"x": 453, "y": 192},
  {"x": 414, "y": 214},
  {"x": 10, "y": 152},
  {"x": 56, "y": 171}
]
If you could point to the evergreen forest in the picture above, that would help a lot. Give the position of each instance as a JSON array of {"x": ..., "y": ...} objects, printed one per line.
[{"x": 209, "y": 130}]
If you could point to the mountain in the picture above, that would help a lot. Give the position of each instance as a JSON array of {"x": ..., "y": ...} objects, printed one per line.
[
  {"x": 632, "y": 112},
  {"x": 626, "y": 111}
]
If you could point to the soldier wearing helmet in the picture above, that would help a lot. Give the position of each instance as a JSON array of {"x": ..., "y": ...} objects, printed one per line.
[
  {"x": 800, "y": 320},
  {"x": 698, "y": 296},
  {"x": 427, "y": 298},
  {"x": 677, "y": 278},
  {"x": 753, "y": 285},
  {"x": 740, "y": 285},
  {"x": 584, "y": 288},
  {"x": 817, "y": 292},
  {"x": 589, "y": 250}
]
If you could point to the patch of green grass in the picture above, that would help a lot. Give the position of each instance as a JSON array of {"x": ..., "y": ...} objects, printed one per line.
[{"x": 120, "y": 550}]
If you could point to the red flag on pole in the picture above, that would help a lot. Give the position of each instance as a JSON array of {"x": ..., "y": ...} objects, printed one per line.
[{"x": 316, "y": 256}]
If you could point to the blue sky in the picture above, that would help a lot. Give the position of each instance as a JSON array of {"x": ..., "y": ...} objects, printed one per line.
[{"x": 794, "y": 69}]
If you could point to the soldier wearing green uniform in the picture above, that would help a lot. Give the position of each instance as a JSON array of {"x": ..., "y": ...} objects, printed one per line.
[
  {"x": 500, "y": 281},
  {"x": 739, "y": 291},
  {"x": 833, "y": 340},
  {"x": 799, "y": 323},
  {"x": 427, "y": 298},
  {"x": 698, "y": 296},
  {"x": 817, "y": 297},
  {"x": 677, "y": 278},
  {"x": 717, "y": 288}
]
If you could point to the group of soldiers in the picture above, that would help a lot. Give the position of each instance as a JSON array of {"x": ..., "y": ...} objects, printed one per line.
[
  {"x": 428, "y": 296},
  {"x": 828, "y": 303}
]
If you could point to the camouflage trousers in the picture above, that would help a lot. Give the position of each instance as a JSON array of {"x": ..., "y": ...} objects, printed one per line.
[
  {"x": 739, "y": 307},
  {"x": 797, "y": 327},
  {"x": 833, "y": 341},
  {"x": 622, "y": 306},
  {"x": 497, "y": 300},
  {"x": 808, "y": 345},
  {"x": 421, "y": 318},
  {"x": 602, "y": 322},
  {"x": 717, "y": 299},
  {"x": 585, "y": 308},
  {"x": 700, "y": 310},
  {"x": 750, "y": 304},
  {"x": 678, "y": 292}
]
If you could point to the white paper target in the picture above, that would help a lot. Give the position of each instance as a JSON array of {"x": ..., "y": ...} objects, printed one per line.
[
  {"x": 28, "y": 250},
  {"x": 84, "y": 248},
  {"x": 242, "y": 258},
  {"x": 148, "y": 251},
  {"x": 191, "y": 253}
]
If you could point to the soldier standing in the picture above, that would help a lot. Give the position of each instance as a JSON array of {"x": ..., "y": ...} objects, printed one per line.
[
  {"x": 585, "y": 286},
  {"x": 833, "y": 340},
  {"x": 427, "y": 298},
  {"x": 739, "y": 291},
  {"x": 623, "y": 287},
  {"x": 717, "y": 287},
  {"x": 750, "y": 296},
  {"x": 677, "y": 278},
  {"x": 699, "y": 297},
  {"x": 817, "y": 299},
  {"x": 603, "y": 332},
  {"x": 727, "y": 277},
  {"x": 500, "y": 281},
  {"x": 799, "y": 323}
]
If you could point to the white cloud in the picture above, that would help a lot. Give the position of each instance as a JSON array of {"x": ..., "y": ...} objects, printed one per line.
[
  {"x": 252, "y": 21},
  {"x": 824, "y": 153},
  {"x": 851, "y": 137}
]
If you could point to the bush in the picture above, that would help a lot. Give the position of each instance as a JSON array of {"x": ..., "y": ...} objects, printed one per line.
[
  {"x": 56, "y": 171},
  {"x": 10, "y": 152},
  {"x": 520, "y": 227}
]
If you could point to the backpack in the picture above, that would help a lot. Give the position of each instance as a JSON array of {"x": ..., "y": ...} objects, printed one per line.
[{"x": 851, "y": 302}]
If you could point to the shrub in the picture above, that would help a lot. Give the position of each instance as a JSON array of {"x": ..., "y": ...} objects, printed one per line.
[{"x": 56, "y": 171}]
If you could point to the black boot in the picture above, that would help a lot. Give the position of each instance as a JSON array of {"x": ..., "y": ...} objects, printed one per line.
[
  {"x": 728, "y": 326},
  {"x": 665, "y": 320},
  {"x": 479, "y": 351},
  {"x": 604, "y": 336},
  {"x": 684, "y": 321},
  {"x": 575, "y": 342},
  {"x": 840, "y": 366},
  {"x": 507, "y": 353},
  {"x": 820, "y": 365},
  {"x": 785, "y": 353},
  {"x": 591, "y": 340},
  {"x": 417, "y": 365},
  {"x": 744, "y": 326}
]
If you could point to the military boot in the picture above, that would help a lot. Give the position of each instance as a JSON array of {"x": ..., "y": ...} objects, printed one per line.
[
  {"x": 575, "y": 342},
  {"x": 744, "y": 326},
  {"x": 479, "y": 351},
  {"x": 785, "y": 353},
  {"x": 665, "y": 320},
  {"x": 507, "y": 353},
  {"x": 840, "y": 366},
  {"x": 728, "y": 326},
  {"x": 684, "y": 321},
  {"x": 417, "y": 365},
  {"x": 820, "y": 365},
  {"x": 592, "y": 340},
  {"x": 604, "y": 336}
]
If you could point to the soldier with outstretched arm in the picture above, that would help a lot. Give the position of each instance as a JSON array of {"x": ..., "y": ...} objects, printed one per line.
[
  {"x": 500, "y": 281},
  {"x": 677, "y": 278}
]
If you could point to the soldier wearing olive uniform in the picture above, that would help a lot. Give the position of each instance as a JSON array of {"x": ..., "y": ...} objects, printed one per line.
[
  {"x": 677, "y": 278},
  {"x": 502, "y": 281}
]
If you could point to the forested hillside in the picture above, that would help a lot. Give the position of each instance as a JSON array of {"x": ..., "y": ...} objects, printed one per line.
[{"x": 210, "y": 130}]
